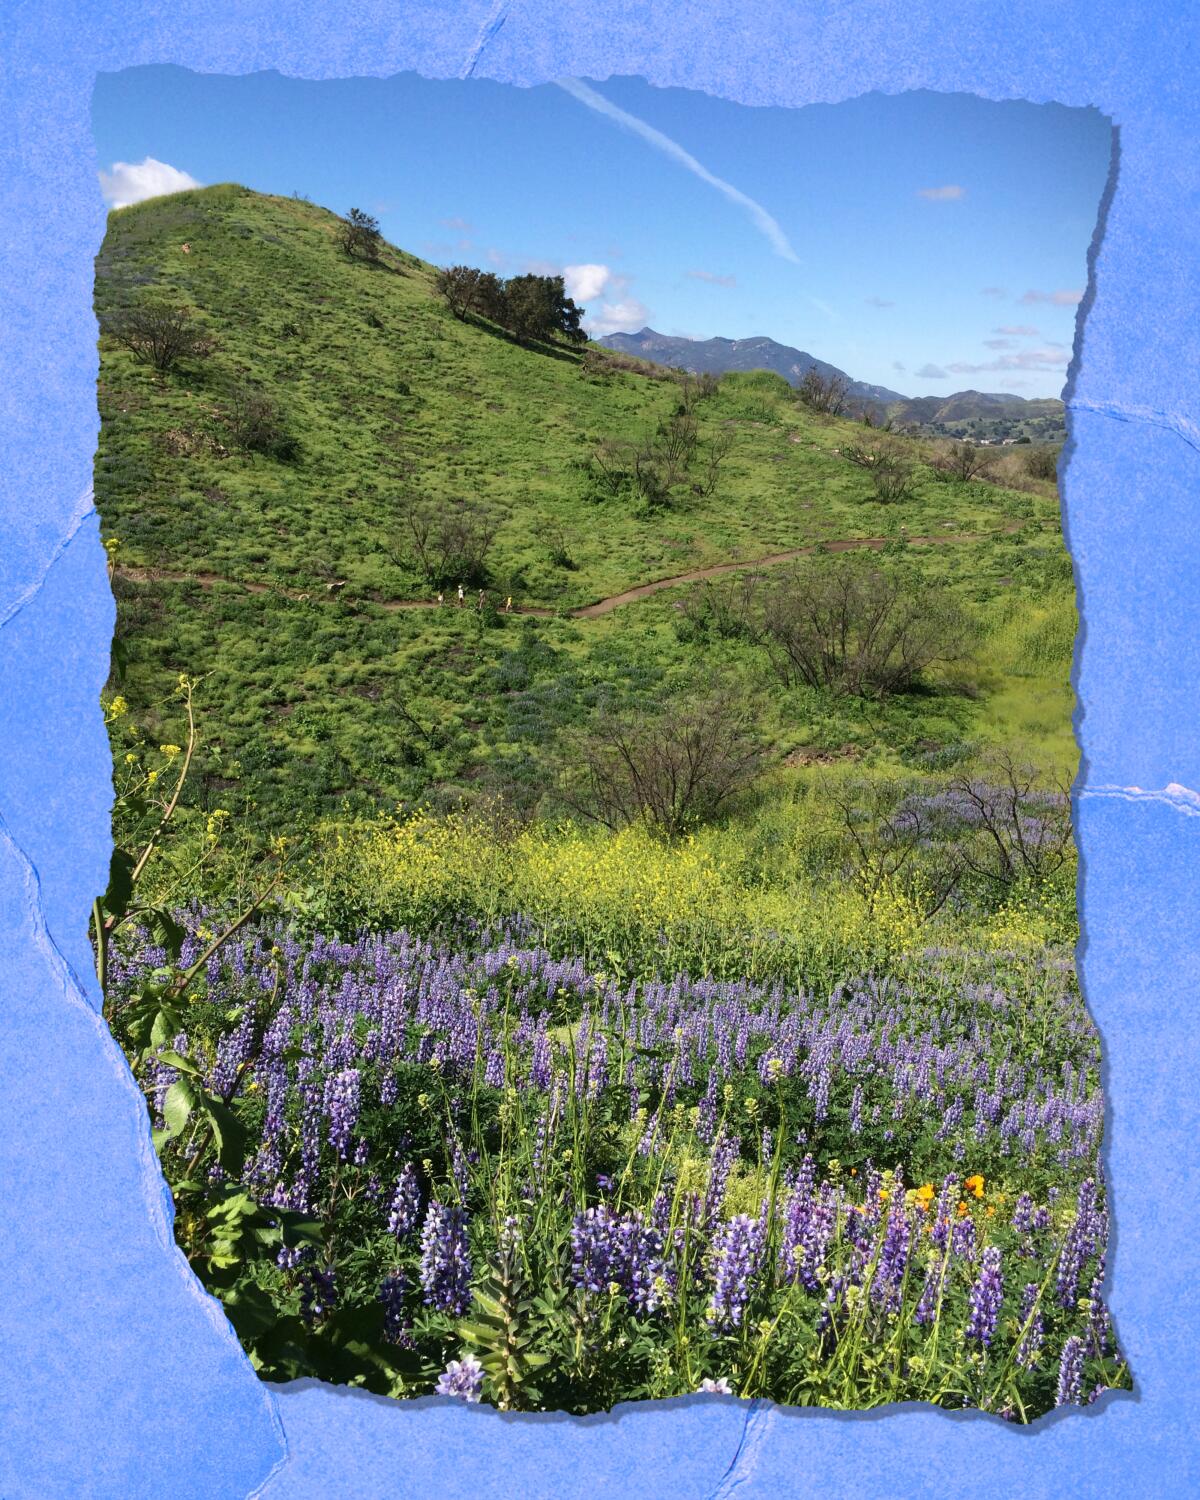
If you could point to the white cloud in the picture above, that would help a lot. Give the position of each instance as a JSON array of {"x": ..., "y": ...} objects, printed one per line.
[
  {"x": 605, "y": 296},
  {"x": 948, "y": 194},
  {"x": 879, "y": 302},
  {"x": 133, "y": 182},
  {"x": 997, "y": 343},
  {"x": 585, "y": 283},
  {"x": 1017, "y": 330},
  {"x": 712, "y": 278},
  {"x": 1068, "y": 298},
  {"x": 625, "y": 316},
  {"x": 899, "y": 365},
  {"x": 455, "y": 222},
  {"x": 931, "y": 372},
  {"x": 1049, "y": 357},
  {"x": 761, "y": 218},
  {"x": 994, "y": 291}
]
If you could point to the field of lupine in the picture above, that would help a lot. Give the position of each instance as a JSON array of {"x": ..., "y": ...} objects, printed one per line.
[{"x": 466, "y": 1164}]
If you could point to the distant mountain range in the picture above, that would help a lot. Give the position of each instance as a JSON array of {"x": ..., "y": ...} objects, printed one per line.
[{"x": 984, "y": 414}]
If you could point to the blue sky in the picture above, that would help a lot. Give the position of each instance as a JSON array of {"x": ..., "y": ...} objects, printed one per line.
[{"x": 926, "y": 242}]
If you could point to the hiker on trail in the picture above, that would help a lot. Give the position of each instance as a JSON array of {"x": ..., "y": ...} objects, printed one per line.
[
  {"x": 479, "y": 605},
  {"x": 508, "y": 605},
  {"x": 460, "y": 596},
  {"x": 439, "y": 601}
]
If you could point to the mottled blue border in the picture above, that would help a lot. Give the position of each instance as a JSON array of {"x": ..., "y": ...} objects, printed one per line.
[{"x": 118, "y": 1376}]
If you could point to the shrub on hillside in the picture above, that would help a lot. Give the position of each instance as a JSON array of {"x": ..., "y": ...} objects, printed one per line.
[
  {"x": 823, "y": 393},
  {"x": 847, "y": 626},
  {"x": 889, "y": 463},
  {"x": 963, "y": 462},
  {"x": 460, "y": 286},
  {"x": 360, "y": 235},
  {"x": 256, "y": 425},
  {"x": 1041, "y": 462},
  {"x": 159, "y": 335},
  {"x": 449, "y": 540},
  {"x": 671, "y": 771}
]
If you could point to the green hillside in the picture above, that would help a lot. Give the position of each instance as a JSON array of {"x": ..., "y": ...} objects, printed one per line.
[{"x": 318, "y": 698}]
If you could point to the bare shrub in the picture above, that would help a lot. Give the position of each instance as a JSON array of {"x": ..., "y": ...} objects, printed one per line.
[
  {"x": 674, "y": 444},
  {"x": 696, "y": 388},
  {"x": 729, "y": 608},
  {"x": 256, "y": 425},
  {"x": 159, "y": 335},
  {"x": 890, "y": 464},
  {"x": 890, "y": 837},
  {"x": 671, "y": 771},
  {"x": 448, "y": 539},
  {"x": 823, "y": 393},
  {"x": 963, "y": 462},
  {"x": 1021, "y": 822},
  {"x": 716, "y": 451},
  {"x": 847, "y": 626}
]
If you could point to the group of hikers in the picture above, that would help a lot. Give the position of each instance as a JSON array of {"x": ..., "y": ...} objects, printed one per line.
[{"x": 479, "y": 603}]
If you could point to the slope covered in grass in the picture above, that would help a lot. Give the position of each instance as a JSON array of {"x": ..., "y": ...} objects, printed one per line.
[{"x": 314, "y": 700}]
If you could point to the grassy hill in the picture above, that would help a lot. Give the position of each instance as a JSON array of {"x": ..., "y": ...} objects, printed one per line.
[{"x": 316, "y": 700}]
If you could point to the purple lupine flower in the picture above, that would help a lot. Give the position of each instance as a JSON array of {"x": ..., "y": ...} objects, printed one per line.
[
  {"x": 963, "y": 1241},
  {"x": 736, "y": 1256},
  {"x": 724, "y": 1153},
  {"x": 1079, "y": 1244},
  {"x": 594, "y": 1249},
  {"x": 446, "y": 1259},
  {"x": 893, "y": 1255},
  {"x": 1069, "y": 1390},
  {"x": 926, "y": 1308},
  {"x": 986, "y": 1296},
  {"x": 341, "y": 1107},
  {"x": 318, "y": 1295},
  {"x": 1099, "y": 1321},
  {"x": 462, "y": 1378},
  {"x": 618, "y": 1250},
  {"x": 718, "y": 1387},
  {"x": 460, "y": 1168},
  {"x": 406, "y": 1202},
  {"x": 291, "y": 1257},
  {"x": 232, "y": 1051},
  {"x": 397, "y": 1326},
  {"x": 1032, "y": 1338}
]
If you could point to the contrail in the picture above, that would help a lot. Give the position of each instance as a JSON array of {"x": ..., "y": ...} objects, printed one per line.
[{"x": 664, "y": 143}]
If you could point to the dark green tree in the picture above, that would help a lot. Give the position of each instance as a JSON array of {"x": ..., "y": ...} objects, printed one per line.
[{"x": 360, "y": 235}]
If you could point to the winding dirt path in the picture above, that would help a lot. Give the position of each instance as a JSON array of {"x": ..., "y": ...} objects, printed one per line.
[{"x": 585, "y": 611}]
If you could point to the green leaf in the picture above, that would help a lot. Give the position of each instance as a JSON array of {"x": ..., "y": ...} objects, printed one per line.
[
  {"x": 177, "y": 1061},
  {"x": 165, "y": 930},
  {"x": 229, "y": 1134},
  {"x": 178, "y": 1104},
  {"x": 120, "y": 883}
]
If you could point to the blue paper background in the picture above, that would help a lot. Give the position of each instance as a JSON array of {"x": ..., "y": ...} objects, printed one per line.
[{"x": 118, "y": 1376}]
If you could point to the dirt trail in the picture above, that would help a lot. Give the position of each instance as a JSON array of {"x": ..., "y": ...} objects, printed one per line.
[{"x": 585, "y": 611}]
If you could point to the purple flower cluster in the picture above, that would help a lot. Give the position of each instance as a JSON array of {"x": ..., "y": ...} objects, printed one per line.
[
  {"x": 621, "y": 1250},
  {"x": 736, "y": 1255},
  {"x": 342, "y": 1094},
  {"x": 986, "y": 1296},
  {"x": 405, "y": 1207},
  {"x": 462, "y": 1378},
  {"x": 446, "y": 1259}
]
